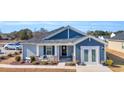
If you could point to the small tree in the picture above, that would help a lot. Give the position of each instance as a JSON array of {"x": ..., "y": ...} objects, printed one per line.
[
  {"x": 18, "y": 58},
  {"x": 16, "y": 53}
]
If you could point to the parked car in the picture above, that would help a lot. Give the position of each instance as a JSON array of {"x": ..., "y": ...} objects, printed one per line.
[
  {"x": 13, "y": 46},
  {"x": 1, "y": 52}
]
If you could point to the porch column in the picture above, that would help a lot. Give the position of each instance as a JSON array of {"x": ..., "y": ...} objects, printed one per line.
[
  {"x": 74, "y": 53},
  {"x": 37, "y": 50},
  {"x": 105, "y": 53},
  {"x": 56, "y": 51}
]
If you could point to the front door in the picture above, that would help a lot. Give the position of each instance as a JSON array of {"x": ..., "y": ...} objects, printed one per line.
[
  {"x": 64, "y": 50},
  {"x": 90, "y": 54}
]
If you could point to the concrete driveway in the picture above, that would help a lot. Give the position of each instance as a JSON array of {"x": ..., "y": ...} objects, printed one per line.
[{"x": 93, "y": 68}]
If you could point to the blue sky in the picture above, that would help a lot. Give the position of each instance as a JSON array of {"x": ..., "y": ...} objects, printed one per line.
[{"x": 9, "y": 26}]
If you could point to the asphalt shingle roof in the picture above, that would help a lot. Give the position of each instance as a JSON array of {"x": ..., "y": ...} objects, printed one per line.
[{"x": 119, "y": 36}]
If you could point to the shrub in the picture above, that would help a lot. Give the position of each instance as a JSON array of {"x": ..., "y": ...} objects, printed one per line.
[
  {"x": 109, "y": 62},
  {"x": 17, "y": 58},
  {"x": 35, "y": 63},
  {"x": 10, "y": 55},
  {"x": 53, "y": 63},
  {"x": 44, "y": 63},
  {"x": 20, "y": 52},
  {"x": 32, "y": 59},
  {"x": 70, "y": 64},
  {"x": 3, "y": 57},
  {"x": 16, "y": 53}
]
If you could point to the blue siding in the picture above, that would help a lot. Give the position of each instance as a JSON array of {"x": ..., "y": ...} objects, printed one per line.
[
  {"x": 90, "y": 42},
  {"x": 73, "y": 34},
  {"x": 64, "y": 35}
]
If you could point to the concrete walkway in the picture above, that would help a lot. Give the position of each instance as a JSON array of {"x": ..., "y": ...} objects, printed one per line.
[{"x": 93, "y": 68}]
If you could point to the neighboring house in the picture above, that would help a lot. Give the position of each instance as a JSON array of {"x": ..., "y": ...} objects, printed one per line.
[
  {"x": 112, "y": 35},
  {"x": 67, "y": 44},
  {"x": 117, "y": 42},
  {"x": 107, "y": 37},
  {"x": 104, "y": 38}
]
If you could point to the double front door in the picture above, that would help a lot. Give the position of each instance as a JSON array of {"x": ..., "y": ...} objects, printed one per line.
[{"x": 90, "y": 54}]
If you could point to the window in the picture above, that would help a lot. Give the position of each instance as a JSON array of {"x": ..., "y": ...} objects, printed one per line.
[
  {"x": 93, "y": 55},
  {"x": 122, "y": 45},
  {"x": 48, "y": 50},
  {"x": 86, "y": 55}
]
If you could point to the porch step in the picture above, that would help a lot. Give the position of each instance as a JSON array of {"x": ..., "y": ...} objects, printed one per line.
[
  {"x": 65, "y": 59},
  {"x": 61, "y": 64}
]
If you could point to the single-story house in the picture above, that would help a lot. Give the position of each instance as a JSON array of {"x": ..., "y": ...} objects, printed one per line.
[
  {"x": 117, "y": 42},
  {"x": 67, "y": 44}
]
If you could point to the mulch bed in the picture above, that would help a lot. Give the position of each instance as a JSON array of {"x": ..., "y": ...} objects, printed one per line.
[{"x": 24, "y": 63}]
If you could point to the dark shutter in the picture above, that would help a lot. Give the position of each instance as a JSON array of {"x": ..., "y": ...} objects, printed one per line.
[
  {"x": 53, "y": 49},
  {"x": 44, "y": 48}
]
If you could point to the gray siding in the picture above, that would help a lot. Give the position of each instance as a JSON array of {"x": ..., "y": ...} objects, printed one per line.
[
  {"x": 41, "y": 51},
  {"x": 29, "y": 50}
]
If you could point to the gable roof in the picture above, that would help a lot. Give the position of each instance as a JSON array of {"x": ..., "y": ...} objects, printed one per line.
[
  {"x": 63, "y": 29},
  {"x": 63, "y": 41},
  {"x": 119, "y": 36},
  {"x": 98, "y": 40}
]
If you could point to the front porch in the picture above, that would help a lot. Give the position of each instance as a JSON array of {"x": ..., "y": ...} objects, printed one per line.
[{"x": 63, "y": 53}]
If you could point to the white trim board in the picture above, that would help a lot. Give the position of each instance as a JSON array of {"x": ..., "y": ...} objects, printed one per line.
[{"x": 76, "y": 30}]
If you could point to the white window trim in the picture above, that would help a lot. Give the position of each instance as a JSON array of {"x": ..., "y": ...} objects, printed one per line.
[{"x": 51, "y": 50}]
